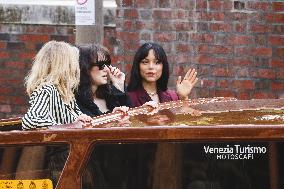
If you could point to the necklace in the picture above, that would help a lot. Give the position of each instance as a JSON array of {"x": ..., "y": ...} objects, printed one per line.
[{"x": 152, "y": 94}]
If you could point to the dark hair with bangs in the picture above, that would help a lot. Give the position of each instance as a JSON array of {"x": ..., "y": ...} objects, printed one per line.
[
  {"x": 87, "y": 59},
  {"x": 135, "y": 81}
]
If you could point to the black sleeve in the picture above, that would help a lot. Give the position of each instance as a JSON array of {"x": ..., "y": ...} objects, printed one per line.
[{"x": 117, "y": 98}]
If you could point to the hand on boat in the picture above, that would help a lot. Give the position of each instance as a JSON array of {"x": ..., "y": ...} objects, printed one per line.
[
  {"x": 85, "y": 119},
  {"x": 153, "y": 105},
  {"x": 184, "y": 86},
  {"x": 124, "y": 121}
]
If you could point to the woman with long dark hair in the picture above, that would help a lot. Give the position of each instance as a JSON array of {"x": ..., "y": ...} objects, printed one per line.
[
  {"x": 101, "y": 87},
  {"x": 150, "y": 75}
]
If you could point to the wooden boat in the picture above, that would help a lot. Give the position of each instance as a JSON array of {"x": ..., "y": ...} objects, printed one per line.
[{"x": 154, "y": 151}]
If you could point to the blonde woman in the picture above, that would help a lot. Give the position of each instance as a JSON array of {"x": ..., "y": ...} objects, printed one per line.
[{"x": 51, "y": 84}]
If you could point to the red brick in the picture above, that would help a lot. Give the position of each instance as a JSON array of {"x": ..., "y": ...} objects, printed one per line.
[
  {"x": 2, "y": 45},
  {"x": 242, "y": 51},
  {"x": 280, "y": 52},
  {"x": 162, "y": 14},
  {"x": 183, "y": 26},
  {"x": 276, "y": 40},
  {"x": 208, "y": 83},
  {"x": 241, "y": 27},
  {"x": 221, "y": 72},
  {"x": 130, "y": 13},
  {"x": 227, "y": 5},
  {"x": 164, "y": 3},
  {"x": 261, "y": 28},
  {"x": 35, "y": 38},
  {"x": 146, "y": 36},
  {"x": 27, "y": 55},
  {"x": 5, "y": 108},
  {"x": 243, "y": 95},
  {"x": 143, "y": 3},
  {"x": 128, "y": 36},
  {"x": 130, "y": 46},
  {"x": 204, "y": 59},
  {"x": 262, "y": 95},
  {"x": 240, "y": 40},
  {"x": 201, "y": 4},
  {"x": 242, "y": 61},
  {"x": 262, "y": 51},
  {"x": 30, "y": 46},
  {"x": 4, "y": 55},
  {"x": 243, "y": 72},
  {"x": 182, "y": 48},
  {"x": 179, "y": 70},
  {"x": 266, "y": 73},
  {"x": 278, "y": 6},
  {"x": 223, "y": 84},
  {"x": 280, "y": 74},
  {"x": 237, "y": 16},
  {"x": 181, "y": 14},
  {"x": 220, "y": 49},
  {"x": 277, "y": 86},
  {"x": 223, "y": 93},
  {"x": 263, "y": 6},
  {"x": 201, "y": 37},
  {"x": 184, "y": 4},
  {"x": 128, "y": 25},
  {"x": 182, "y": 59},
  {"x": 275, "y": 18},
  {"x": 277, "y": 62},
  {"x": 6, "y": 90},
  {"x": 164, "y": 37},
  {"x": 215, "y": 5},
  {"x": 17, "y": 100},
  {"x": 217, "y": 16},
  {"x": 202, "y": 48},
  {"x": 126, "y": 3},
  {"x": 220, "y": 27},
  {"x": 222, "y": 60},
  {"x": 15, "y": 64},
  {"x": 243, "y": 84}
]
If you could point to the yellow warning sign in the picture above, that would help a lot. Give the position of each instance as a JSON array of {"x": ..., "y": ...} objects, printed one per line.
[{"x": 26, "y": 184}]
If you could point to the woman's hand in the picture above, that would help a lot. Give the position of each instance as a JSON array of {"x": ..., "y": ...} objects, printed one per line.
[
  {"x": 117, "y": 77},
  {"x": 124, "y": 121},
  {"x": 184, "y": 86},
  {"x": 153, "y": 105},
  {"x": 85, "y": 119}
]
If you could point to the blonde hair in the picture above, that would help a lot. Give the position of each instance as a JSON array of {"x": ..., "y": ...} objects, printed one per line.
[{"x": 56, "y": 63}]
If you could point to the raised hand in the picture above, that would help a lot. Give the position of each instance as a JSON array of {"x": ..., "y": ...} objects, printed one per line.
[
  {"x": 184, "y": 86},
  {"x": 117, "y": 77}
]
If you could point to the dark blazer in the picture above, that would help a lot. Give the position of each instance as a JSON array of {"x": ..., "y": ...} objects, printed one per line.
[
  {"x": 140, "y": 96},
  {"x": 114, "y": 99}
]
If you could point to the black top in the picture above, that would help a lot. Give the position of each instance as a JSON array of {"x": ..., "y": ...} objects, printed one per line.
[{"x": 114, "y": 99}]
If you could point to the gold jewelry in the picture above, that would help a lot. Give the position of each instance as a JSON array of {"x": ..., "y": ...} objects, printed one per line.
[{"x": 152, "y": 94}]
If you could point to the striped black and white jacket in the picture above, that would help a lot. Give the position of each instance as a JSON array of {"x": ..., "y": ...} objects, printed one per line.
[{"x": 47, "y": 108}]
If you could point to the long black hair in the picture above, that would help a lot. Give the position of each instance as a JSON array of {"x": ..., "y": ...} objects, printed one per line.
[
  {"x": 87, "y": 59},
  {"x": 135, "y": 81}
]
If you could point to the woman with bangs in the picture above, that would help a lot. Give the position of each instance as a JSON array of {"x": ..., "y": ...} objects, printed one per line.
[
  {"x": 101, "y": 89},
  {"x": 150, "y": 75},
  {"x": 51, "y": 84}
]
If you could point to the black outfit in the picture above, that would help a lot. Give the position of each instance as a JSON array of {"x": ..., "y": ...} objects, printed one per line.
[
  {"x": 97, "y": 174},
  {"x": 114, "y": 98}
]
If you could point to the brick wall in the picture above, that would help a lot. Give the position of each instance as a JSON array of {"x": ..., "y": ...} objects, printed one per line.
[
  {"x": 18, "y": 46},
  {"x": 236, "y": 46}
]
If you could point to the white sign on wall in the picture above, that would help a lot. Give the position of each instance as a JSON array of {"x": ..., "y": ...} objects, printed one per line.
[{"x": 85, "y": 12}]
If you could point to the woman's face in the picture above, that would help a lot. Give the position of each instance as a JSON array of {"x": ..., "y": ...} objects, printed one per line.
[
  {"x": 150, "y": 68},
  {"x": 99, "y": 77}
]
